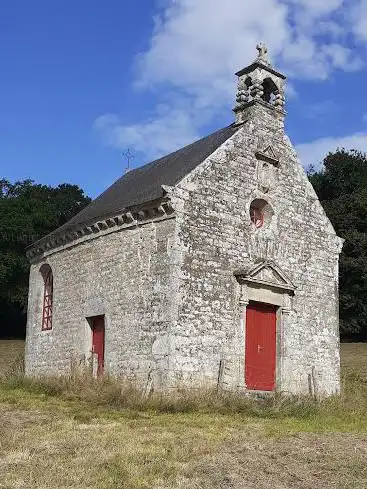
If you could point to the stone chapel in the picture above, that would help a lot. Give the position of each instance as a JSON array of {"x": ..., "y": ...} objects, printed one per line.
[{"x": 214, "y": 266}]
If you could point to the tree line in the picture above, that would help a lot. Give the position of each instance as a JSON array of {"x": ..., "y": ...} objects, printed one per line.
[
  {"x": 341, "y": 185},
  {"x": 29, "y": 211}
]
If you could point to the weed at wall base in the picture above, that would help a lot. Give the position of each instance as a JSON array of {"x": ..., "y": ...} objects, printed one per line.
[{"x": 114, "y": 393}]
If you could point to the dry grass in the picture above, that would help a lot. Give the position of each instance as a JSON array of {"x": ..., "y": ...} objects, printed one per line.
[
  {"x": 354, "y": 358},
  {"x": 11, "y": 353},
  {"x": 96, "y": 435},
  {"x": 42, "y": 450}
]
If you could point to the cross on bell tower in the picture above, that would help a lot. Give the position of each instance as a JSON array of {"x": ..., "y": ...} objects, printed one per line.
[
  {"x": 263, "y": 54},
  {"x": 260, "y": 84}
]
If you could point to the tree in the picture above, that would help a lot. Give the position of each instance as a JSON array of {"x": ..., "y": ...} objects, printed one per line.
[
  {"x": 28, "y": 211},
  {"x": 341, "y": 186}
]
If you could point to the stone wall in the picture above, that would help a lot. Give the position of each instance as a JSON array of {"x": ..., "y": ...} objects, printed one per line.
[
  {"x": 216, "y": 238},
  {"x": 125, "y": 275}
]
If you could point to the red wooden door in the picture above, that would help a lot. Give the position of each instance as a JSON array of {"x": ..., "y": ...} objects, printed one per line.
[
  {"x": 98, "y": 341},
  {"x": 260, "y": 351}
]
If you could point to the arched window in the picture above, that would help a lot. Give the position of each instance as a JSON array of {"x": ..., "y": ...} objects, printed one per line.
[
  {"x": 46, "y": 272},
  {"x": 260, "y": 213},
  {"x": 270, "y": 90}
]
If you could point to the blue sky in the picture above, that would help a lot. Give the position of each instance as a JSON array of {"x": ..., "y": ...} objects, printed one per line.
[{"x": 82, "y": 81}]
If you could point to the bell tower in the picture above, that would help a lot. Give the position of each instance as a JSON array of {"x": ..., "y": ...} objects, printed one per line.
[{"x": 260, "y": 90}]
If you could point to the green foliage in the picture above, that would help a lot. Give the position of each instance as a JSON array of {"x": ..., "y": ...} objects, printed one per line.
[
  {"x": 342, "y": 188},
  {"x": 28, "y": 211}
]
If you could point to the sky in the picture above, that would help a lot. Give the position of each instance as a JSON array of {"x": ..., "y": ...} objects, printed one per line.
[{"x": 83, "y": 81}]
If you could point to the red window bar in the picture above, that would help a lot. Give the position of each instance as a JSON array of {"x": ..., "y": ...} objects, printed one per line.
[
  {"x": 47, "y": 302},
  {"x": 257, "y": 217}
]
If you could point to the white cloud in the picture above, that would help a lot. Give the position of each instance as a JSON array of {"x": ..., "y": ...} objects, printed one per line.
[
  {"x": 318, "y": 8},
  {"x": 332, "y": 29},
  {"x": 342, "y": 57},
  {"x": 196, "y": 41},
  {"x": 164, "y": 133},
  {"x": 314, "y": 152},
  {"x": 321, "y": 110},
  {"x": 358, "y": 17},
  {"x": 197, "y": 45},
  {"x": 290, "y": 91}
]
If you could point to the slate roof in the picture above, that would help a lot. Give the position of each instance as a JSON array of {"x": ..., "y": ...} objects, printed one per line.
[{"x": 144, "y": 184}]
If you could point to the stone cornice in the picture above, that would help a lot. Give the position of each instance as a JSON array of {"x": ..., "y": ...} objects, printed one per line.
[
  {"x": 261, "y": 66},
  {"x": 243, "y": 106},
  {"x": 58, "y": 241}
]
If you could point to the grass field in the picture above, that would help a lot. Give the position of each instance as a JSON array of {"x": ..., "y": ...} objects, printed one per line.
[
  {"x": 80, "y": 436},
  {"x": 10, "y": 352}
]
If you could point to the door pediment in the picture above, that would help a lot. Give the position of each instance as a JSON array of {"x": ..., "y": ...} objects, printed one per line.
[{"x": 268, "y": 274}]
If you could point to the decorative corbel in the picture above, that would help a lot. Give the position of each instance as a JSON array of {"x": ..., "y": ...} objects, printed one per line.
[
  {"x": 119, "y": 220},
  {"x": 110, "y": 223},
  {"x": 102, "y": 225},
  {"x": 129, "y": 217}
]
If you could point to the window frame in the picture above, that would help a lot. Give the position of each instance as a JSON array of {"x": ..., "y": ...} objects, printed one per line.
[
  {"x": 257, "y": 217},
  {"x": 47, "y": 308}
]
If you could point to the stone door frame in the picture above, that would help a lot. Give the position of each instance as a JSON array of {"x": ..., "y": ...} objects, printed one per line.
[{"x": 265, "y": 283}]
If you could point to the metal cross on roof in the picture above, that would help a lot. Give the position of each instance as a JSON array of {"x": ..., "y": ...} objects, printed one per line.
[{"x": 129, "y": 156}]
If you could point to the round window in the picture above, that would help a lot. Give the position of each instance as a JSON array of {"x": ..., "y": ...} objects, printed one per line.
[{"x": 260, "y": 212}]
